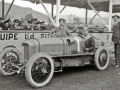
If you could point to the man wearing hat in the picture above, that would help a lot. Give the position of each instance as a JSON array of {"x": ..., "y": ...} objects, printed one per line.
[
  {"x": 43, "y": 25},
  {"x": 38, "y": 26},
  {"x": 29, "y": 26},
  {"x": 60, "y": 31},
  {"x": 34, "y": 20},
  {"x": 16, "y": 25},
  {"x": 1, "y": 23},
  {"x": 116, "y": 40},
  {"x": 5, "y": 25}
]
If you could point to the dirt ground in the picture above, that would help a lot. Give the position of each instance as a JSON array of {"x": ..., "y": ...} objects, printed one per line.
[{"x": 74, "y": 78}]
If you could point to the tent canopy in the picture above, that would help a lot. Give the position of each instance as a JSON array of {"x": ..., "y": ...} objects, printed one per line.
[{"x": 99, "y": 6}]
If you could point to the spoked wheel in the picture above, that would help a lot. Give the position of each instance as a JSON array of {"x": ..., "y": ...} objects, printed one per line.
[
  {"x": 101, "y": 58},
  {"x": 8, "y": 58},
  {"x": 39, "y": 70}
]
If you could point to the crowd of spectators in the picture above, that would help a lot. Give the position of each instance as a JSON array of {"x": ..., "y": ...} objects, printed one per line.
[
  {"x": 16, "y": 24},
  {"x": 34, "y": 24}
]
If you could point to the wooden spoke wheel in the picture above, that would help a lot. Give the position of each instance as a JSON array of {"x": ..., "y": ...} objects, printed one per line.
[
  {"x": 8, "y": 58},
  {"x": 39, "y": 70}
]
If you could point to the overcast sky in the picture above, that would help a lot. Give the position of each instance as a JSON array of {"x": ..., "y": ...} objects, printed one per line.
[{"x": 67, "y": 11}]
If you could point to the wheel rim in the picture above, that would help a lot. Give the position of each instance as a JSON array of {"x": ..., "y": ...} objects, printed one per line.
[
  {"x": 7, "y": 60},
  {"x": 103, "y": 58},
  {"x": 41, "y": 70}
]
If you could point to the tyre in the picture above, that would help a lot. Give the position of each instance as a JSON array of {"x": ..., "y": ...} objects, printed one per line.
[
  {"x": 39, "y": 70},
  {"x": 101, "y": 58},
  {"x": 8, "y": 56}
]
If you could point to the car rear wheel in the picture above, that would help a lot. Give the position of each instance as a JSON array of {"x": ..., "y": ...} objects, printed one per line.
[
  {"x": 8, "y": 58},
  {"x": 101, "y": 58},
  {"x": 39, "y": 70}
]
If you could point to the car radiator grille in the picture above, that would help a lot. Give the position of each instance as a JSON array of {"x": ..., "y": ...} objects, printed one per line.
[{"x": 26, "y": 53}]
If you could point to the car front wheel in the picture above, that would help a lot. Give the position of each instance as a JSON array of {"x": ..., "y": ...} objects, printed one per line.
[{"x": 39, "y": 70}]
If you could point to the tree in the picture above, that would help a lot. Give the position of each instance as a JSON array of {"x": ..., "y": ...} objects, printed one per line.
[
  {"x": 77, "y": 20},
  {"x": 70, "y": 17}
]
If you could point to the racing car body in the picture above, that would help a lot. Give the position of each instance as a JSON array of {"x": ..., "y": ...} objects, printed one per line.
[
  {"x": 54, "y": 46},
  {"x": 43, "y": 57}
]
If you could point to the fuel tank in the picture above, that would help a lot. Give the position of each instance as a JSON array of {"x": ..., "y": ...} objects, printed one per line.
[{"x": 52, "y": 46}]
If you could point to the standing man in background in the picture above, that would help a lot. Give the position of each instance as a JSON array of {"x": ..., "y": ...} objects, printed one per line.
[
  {"x": 116, "y": 40},
  {"x": 61, "y": 31}
]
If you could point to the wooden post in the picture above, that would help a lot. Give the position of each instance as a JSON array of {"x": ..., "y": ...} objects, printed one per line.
[
  {"x": 3, "y": 8},
  {"x": 63, "y": 8},
  {"x": 58, "y": 12},
  {"x": 9, "y": 8},
  {"x": 86, "y": 17},
  {"x": 52, "y": 10},
  {"x": 110, "y": 15},
  {"x": 98, "y": 14},
  {"x": 93, "y": 18},
  {"x": 48, "y": 13}
]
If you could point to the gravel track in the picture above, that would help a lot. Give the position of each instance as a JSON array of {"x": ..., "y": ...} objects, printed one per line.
[{"x": 73, "y": 78}]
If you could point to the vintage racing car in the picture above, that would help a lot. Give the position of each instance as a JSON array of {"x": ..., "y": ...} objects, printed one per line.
[{"x": 43, "y": 57}]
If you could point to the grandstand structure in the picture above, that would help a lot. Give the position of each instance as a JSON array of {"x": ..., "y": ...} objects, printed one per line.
[{"x": 111, "y": 6}]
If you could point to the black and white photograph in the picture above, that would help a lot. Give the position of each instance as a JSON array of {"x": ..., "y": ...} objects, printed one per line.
[{"x": 59, "y": 44}]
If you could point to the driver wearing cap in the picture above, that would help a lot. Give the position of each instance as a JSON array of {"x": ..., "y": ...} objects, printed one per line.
[{"x": 88, "y": 40}]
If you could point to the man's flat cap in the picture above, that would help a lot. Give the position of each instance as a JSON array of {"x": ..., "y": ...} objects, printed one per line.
[
  {"x": 42, "y": 21},
  {"x": 38, "y": 22},
  {"x": 62, "y": 19},
  {"x": 115, "y": 16},
  {"x": 16, "y": 21},
  {"x": 34, "y": 19},
  {"x": 7, "y": 21},
  {"x": 30, "y": 22}
]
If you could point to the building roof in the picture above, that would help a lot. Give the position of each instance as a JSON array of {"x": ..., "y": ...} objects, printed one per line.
[{"x": 101, "y": 5}]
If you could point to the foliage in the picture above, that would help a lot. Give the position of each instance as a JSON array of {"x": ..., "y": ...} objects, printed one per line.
[{"x": 74, "y": 19}]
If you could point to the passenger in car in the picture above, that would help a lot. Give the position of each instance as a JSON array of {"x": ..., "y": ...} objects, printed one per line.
[
  {"x": 61, "y": 31},
  {"x": 89, "y": 40},
  {"x": 16, "y": 25}
]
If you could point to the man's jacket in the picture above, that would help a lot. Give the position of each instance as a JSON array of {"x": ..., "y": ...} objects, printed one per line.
[{"x": 116, "y": 33}]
